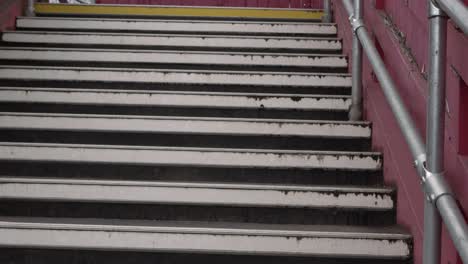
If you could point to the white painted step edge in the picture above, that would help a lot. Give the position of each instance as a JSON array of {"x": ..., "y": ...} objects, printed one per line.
[
  {"x": 175, "y": 99},
  {"x": 174, "y": 57},
  {"x": 167, "y": 40},
  {"x": 176, "y": 25},
  {"x": 181, "y": 156},
  {"x": 154, "y": 236},
  {"x": 174, "y": 76},
  {"x": 185, "y": 125},
  {"x": 150, "y": 192}
]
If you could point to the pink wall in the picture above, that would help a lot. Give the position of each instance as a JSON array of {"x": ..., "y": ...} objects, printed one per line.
[
  {"x": 9, "y": 10},
  {"x": 406, "y": 59},
  {"x": 236, "y": 3}
]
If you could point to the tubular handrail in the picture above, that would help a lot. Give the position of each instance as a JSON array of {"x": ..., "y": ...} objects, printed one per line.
[
  {"x": 457, "y": 11},
  {"x": 438, "y": 194},
  {"x": 30, "y": 8},
  {"x": 405, "y": 121}
]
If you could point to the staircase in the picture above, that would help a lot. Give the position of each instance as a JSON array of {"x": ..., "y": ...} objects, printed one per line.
[{"x": 173, "y": 141}]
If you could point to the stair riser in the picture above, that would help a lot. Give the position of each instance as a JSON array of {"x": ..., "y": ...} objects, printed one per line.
[
  {"x": 254, "y": 89},
  {"x": 198, "y": 213},
  {"x": 170, "y": 26},
  {"x": 192, "y": 174},
  {"x": 180, "y": 140},
  {"x": 175, "y": 111},
  {"x": 22, "y": 256}
]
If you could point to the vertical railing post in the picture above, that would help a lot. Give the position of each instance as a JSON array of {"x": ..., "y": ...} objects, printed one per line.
[
  {"x": 355, "y": 112},
  {"x": 30, "y": 8},
  {"x": 327, "y": 16},
  {"x": 435, "y": 127}
]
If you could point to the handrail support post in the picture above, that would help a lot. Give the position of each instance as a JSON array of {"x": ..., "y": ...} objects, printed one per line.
[
  {"x": 355, "y": 111},
  {"x": 30, "y": 8},
  {"x": 327, "y": 16},
  {"x": 440, "y": 201},
  {"x": 433, "y": 177}
]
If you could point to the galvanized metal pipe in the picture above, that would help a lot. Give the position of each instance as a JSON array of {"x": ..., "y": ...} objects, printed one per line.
[
  {"x": 348, "y": 5},
  {"x": 455, "y": 224},
  {"x": 435, "y": 127},
  {"x": 30, "y": 8},
  {"x": 437, "y": 190},
  {"x": 431, "y": 241},
  {"x": 436, "y": 187},
  {"x": 355, "y": 112},
  {"x": 406, "y": 123},
  {"x": 327, "y": 16},
  {"x": 457, "y": 11}
]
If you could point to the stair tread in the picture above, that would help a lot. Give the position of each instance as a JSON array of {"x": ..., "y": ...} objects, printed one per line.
[
  {"x": 189, "y": 125},
  {"x": 387, "y": 232},
  {"x": 277, "y": 151},
  {"x": 252, "y": 195},
  {"x": 173, "y": 57},
  {"x": 217, "y": 157},
  {"x": 180, "y": 41},
  {"x": 165, "y": 51},
  {"x": 278, "y": 187},
  {"x": 204, "y": 99},
  {"x": 223, "y": 26},
  {"x": 45, "y": 32},
  {"x": 178, "y": 70},
  {"x": 203, "y": 237}
]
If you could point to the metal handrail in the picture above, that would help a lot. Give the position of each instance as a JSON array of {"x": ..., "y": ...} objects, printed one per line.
[
  {"x": 30, "y": 8},
  {"x": 456, "y": 10},
  {"x": 428, "y": 158}
]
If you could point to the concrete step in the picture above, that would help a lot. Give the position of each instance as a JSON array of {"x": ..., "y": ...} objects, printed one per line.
[
  {"x": 184, "y": 131},
  {"x": 207, "y": 194},
  {"x": 176, "y": 26},
  {"x": 178, "y": 79},
  {"x": 173, "y": 59},
  {"x": 198, "y": 157},
  {"x": 138, "y": 98},
  {"x": 183, "y": 125},
  {"x": 42, "y": 196},
  {"x": 168, "y": 103},
  {"x": 184, "y": 42},
  {"x": 202, "y": 237}
]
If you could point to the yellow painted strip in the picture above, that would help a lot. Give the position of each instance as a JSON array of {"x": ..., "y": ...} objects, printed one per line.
[{"x": 134, "y": 10}]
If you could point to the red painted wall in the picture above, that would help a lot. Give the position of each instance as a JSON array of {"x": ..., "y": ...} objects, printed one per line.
[
  {"x": 233, "y": 3},
  {"x": 9, "y": 10},
  {"x": 400, "y": 28}
]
